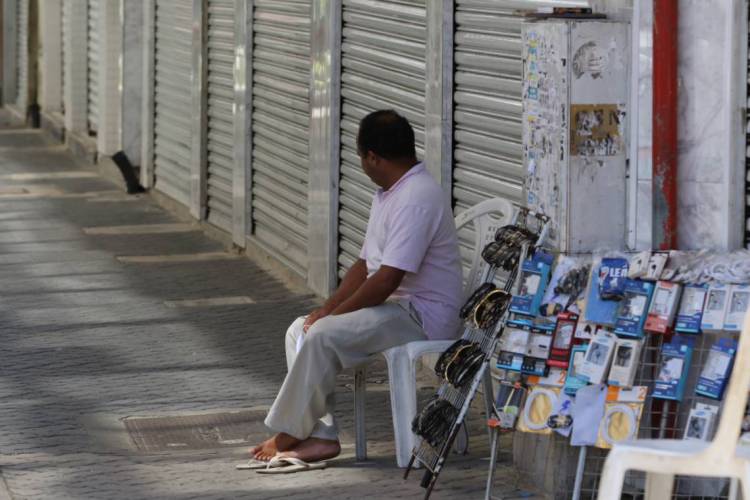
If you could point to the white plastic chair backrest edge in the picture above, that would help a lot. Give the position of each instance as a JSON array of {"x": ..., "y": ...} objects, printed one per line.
[
  {"x": 484, "y": 231},
  {"x": 730, "y": 423}
]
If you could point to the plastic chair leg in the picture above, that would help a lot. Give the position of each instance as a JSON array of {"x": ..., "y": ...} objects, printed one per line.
[
  {"x": 360, "y": 391},
  {"x": 658, "y": 486},
  {"x": 402, "y": 378},
  {"x": 612, "y": 478}
]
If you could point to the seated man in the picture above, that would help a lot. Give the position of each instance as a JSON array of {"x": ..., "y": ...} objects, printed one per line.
[{"x": 405, "y": 286}]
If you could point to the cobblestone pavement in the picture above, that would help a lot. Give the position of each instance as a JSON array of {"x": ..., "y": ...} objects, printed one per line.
[{"x": 88, "y": 340}]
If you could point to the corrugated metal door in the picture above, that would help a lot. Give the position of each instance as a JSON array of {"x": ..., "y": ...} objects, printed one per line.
[
  {"x": 220, "y": 140},
  {"x": 93, "y": 48},
  {"x": 173, "y": 117},
  {"x": 383, "y": 66},
  {"x": 487, "y": 154},
  {"x": 281, "y": 116},
  {"x": 22, "y": 53}
]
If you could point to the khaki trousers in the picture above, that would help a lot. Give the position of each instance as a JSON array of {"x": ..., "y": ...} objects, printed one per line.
[{"x": 304, "y": 406}]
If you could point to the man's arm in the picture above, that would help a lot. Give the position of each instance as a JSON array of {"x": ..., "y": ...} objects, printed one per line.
[
  {"x": 353, "y": 280},
  {"x": 374, "y": 291}
]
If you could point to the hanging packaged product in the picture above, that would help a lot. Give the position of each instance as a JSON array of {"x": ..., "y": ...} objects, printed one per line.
[
  {"x": 625, "y": 362},
  {"x": 612, "y": 275},
  {"x": 656, "y": 264},
  {"x": 674, "y": 368},
  {"x": 700, "y": 422},
  {"x": 638, "y": 265},
  {"x": 573, "y": 381},
  {"x": 717, "y": 303},
  {"x": 739, "y": 299},
  {"x": 534, "y": 366},
  {"x": 534, "y": 277},
  {"x": 715, "y": 374},
  {"x": 631, "y": 315},
  {"x": 566, "y": 286},
  {"x": 510, "y": 361},
  {"x": 622, "y": 415},
  {"x": 663, "y": 307},
  {"x": 508, "y": 404},
  {"x": 562, "y": 340},
  {"x": 515, "y": 338},
  {"x": 598, "y": 357},
  {"x": 598, "y": 310},
  {"x": 540, "y": 401},
  {"x": 584, "y": 331},
  {"x": 690, "y": 314},
  {"x": 539, "y": 345}
]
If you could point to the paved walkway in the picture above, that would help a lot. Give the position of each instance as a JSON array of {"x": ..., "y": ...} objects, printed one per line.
[{"x": 89, "y": 339}]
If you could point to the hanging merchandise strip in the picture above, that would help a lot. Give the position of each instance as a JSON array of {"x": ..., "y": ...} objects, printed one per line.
[{"x": 485, "y": 314}]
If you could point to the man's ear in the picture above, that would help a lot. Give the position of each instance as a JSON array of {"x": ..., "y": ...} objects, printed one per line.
[{"x": 372, "y": 157}]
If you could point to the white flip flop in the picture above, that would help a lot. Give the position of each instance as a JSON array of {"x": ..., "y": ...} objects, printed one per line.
[
  {"x": 252, "y": 464},
  {"x": 288, "y": 465}
]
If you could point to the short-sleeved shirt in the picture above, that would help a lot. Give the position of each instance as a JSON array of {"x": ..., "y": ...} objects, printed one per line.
[{"x": 411, "y": 227}]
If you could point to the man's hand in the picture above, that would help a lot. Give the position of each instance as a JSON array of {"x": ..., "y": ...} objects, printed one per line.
[{"x": 314, "y": 316}]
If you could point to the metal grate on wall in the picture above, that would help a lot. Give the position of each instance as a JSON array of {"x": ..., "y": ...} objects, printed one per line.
[
  {"x": 383, "y": 66},
  {"x": 220, "y": 87},
  {"x": 280, "y": 128},
  {"x": 173, "y": 120},
  {"x": 93, "y": 48}
]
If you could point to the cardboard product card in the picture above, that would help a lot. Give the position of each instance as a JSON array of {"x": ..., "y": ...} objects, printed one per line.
[
  {"x": 509, "y": 401},
  {"x": 715, "y": 374},
  {"x": 739, "y": 299},
  {"x": 715, "y": 310},
  {"x": 598, "y": 310},
  {"x": 700, "y": 422},
  {"x": 537, "y": 409},
  {"x": 631, "y": 315},
  {"x": 663, "y": 307},
  {"x": 570, "y": 273},
  {"x": 598, "y": 357},
  {"x": 534, "y": 278},
  {"x": 656, "y": 264},
  {"x": 510, "y": 361},
  {"x": 573, "y": 381},
  {"x": 534, "y": 366},
  {"x": 515, "y": 338},
  {"x": 690, "y": 313},
  {"x": 625, "y": 362},
  {"x": 584, "y": 331},
  {"x": 562, "y": 339},
  {"x": 638, "y": 265},
  {"x": 674, "y": 368},
  {"x": 539, "y": 346},
  {"x": 612, "y": 275},
  {"x": 622, "y": 415}
]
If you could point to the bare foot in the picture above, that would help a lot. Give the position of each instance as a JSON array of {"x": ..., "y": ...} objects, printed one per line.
[
  {"x": 314, "y": 450},
  {"x": 270, "y": 447}
]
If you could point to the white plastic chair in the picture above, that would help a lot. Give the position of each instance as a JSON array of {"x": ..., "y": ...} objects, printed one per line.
[
  {"x": 487, "y": 217},
  {"x": 662, "y": 459}
]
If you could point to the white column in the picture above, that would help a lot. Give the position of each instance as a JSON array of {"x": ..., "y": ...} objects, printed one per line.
[
  {"x": 76, "y": 67},
  {"x": 108, "y": 136},
  {"x": 131, "y": 79},
  {"x": 50, "y": 37}
]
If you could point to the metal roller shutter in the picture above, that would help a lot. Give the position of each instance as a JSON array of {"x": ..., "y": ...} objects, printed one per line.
[
  {"x": 487, "y": 154},
  {"x": 220, "y": 140},
  {"x": 382, "y": 66},
  {"x": 22, "y": 53},
  {"x": 280, "y": 127},
  {"x": 93, "y": 47},
  {"x": 173, "y": 68}
]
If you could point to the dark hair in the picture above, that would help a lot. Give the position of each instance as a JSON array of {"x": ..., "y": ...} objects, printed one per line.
[{"x": 387, "y": 134}]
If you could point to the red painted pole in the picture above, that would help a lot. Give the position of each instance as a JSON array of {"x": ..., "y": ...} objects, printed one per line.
[{"x": 664, "y": 132}]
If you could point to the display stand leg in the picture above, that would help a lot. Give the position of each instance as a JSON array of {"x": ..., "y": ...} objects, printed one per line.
[
  {"x": 488, "y": 400},
  {"x": 734, "y": 487},
  {"x": 495, "y": 441},
  {"x": 579, "y": 473},
  {"x": 664, "y": 419}
]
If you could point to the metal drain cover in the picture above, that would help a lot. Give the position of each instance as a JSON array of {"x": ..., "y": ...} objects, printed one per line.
[{"x": 197, "y": 432}]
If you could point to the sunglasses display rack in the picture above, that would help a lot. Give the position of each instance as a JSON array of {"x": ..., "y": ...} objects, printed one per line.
[{"x": 484, "y": 323}]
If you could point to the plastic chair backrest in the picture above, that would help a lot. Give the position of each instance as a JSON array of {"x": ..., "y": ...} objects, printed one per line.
[
  {"x": 488, "y": 216},
  {"x": 735, "y": 399}
]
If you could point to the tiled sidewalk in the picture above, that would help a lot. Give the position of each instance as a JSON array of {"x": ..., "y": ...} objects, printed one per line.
[{"x": 88, "y": 339}]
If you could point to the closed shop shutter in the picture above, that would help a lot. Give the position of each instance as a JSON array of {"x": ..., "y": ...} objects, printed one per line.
[
  {"x": 487, "y": 154},
  {"x": 93, "y": 48},
  {"x": 280, "y": 127},
  {"x": 383, "y": 66},
  {"x": 220, "y": 140},
  {"x": 173, "y": 44},
  {"x": 22, "y": 53}
]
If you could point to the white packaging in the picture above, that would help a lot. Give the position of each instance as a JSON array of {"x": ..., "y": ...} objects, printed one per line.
[
  {"x": 656, "y": 264},
  {"x": 638, "y": 265},
  {"x": 739, "y": 299},
  {"x": 700, "y": 422},
  {"x": 539, "y": 345},
  {"x": 515, "y": 340},
  {"x": 663, "y": 307},
  {"x": 625, "y": 362},
  {"x": 717, "y": 302},
  {"x": 598, "y": 357}
]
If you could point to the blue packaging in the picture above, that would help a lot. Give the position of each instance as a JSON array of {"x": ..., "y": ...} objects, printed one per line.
[
  {"x": 598, "y": 310},
  {"x": 572, "y": 381},
  {"x": 534, "y": 366},
  {"x": 534, "y": 278},
  {"x": 715, "y": 374},
  {"x": 690, "y": 314},
  {"x": 674, "y": 367},
  {"x": 510, "y": 361},
  {"x": 633, "y": 308},
  {"x": 613, "y": 274}
]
